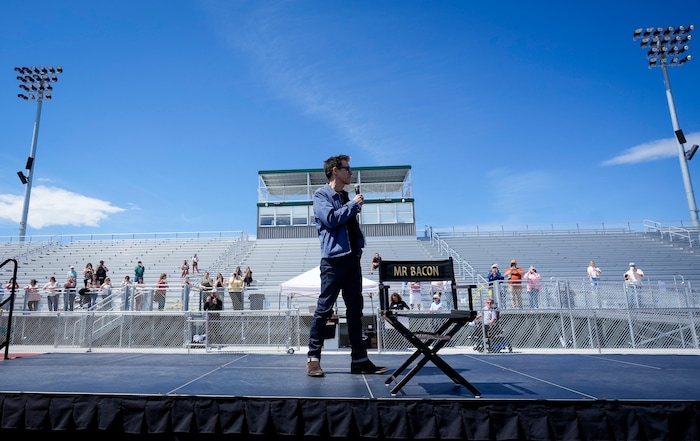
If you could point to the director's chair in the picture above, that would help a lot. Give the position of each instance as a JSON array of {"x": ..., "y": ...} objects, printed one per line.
[{"x": 448, "y": 323}]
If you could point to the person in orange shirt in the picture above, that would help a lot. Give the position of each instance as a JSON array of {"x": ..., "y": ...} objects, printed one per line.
[{"x": 514, "y": 275}]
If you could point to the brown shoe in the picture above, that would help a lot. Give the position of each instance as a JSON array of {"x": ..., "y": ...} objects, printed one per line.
[{"x": 313, "y": 369}]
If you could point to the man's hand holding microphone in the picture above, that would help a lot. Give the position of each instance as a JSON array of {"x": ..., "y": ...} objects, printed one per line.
[{"x": 358, "y": 197}]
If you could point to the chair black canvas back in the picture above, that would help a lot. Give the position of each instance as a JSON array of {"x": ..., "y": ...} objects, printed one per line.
[{"x": 416, "y": 271}]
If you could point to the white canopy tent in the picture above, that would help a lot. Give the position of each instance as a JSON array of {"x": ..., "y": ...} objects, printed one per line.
[{"x": 308, "y": 284}]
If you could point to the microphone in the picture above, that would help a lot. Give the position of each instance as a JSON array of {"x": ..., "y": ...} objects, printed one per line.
[{"x": 357, "y": 191}]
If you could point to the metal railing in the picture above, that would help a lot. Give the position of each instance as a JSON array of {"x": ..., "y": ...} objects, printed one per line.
[
  {"x": 671, "y": 233},
  {"x": 569, "y": 316}
]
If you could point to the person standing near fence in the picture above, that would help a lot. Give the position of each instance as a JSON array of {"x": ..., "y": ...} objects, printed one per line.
[
  {"x": 436, "y": 306},
  {"x": 206, "y": 284},
  {"x": 74, "y": 274},
  {"x": 69, "y": 293},
  {"x": 161, "y": 291},
  {"x": 494, "y": 276},
  {"x": 52, "y": 293},
  {"x": 235, "y": 290},
  {"x": 86, "y": 295},
  {"x": 514, "y": 275},
  {"x": 342, "y": 242},
  {"x": 33, "y": 296},
  {"x": 248, "y": 276},
  {"x": 532, "y": 281},
  {"x": 634, "y": 276},
  {"x": 594, "y": 277},
  {"x": 489, "y": 316},
  {"x": 212, "y": 305},
  {"x": 633, "y": 282},
  {"x": 593, "y": 273},
  {"x": 127, "y": 287},
  {"x": 414, "y": 298},
  {"x": 139, "y": 294},
  {"x": 106, "y": 293},
  {"x": 219, "y": 283},
  {"x": 186, "y": 288}
]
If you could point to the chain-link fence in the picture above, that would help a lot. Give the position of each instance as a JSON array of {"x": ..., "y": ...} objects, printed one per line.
[
  {"x": 232, "y": 330},
  {"x": 569, "y": 315},
  {"x": 567, "y": 329},
  {"x": 572, "y": 315}
]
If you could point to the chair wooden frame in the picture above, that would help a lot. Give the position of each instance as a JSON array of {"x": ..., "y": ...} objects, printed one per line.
[{"x": 426, "y": 344}]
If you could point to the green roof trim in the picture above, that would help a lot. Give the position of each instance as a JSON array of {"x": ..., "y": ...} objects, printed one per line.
[{"x": 317, "y": 170}]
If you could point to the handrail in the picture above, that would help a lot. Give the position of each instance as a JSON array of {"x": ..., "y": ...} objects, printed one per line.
[
  {"x": 461, "y": 266},
  {"x": 57, "y": 239},
  {"x": 6, "y": 344},
  {"x": 528, "y": 229},
  {"x": 672, "y": 231}
]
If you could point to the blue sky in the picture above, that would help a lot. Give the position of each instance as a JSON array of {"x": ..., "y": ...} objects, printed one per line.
[{"x": 509, "y": 112}]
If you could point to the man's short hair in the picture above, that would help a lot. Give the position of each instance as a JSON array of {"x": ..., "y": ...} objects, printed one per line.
[{"x": 334, "y": 161}]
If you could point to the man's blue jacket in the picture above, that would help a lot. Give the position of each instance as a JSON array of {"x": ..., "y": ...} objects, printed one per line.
[{"x": 331, "y": 222}]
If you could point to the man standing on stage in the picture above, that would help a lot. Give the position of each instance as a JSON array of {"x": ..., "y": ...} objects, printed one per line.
[{"x": 341, "y": 249}]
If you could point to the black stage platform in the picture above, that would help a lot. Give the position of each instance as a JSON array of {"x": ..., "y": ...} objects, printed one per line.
[{"x": 233, "y": 395}]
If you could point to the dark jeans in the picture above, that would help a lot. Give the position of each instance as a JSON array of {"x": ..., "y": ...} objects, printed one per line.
[{"x": 340, "y": 273}]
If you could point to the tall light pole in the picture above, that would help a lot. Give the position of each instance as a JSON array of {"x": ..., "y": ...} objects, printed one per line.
[
  {"x": 667, "y": 47},
  {"x": 36, "y": 86}
]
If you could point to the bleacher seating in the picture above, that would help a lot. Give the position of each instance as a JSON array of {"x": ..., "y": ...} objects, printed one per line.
[
  {"x": 120, "y": 256},
  {"x": 273, "y": 261},
  {"x": 566, "y": 256}
]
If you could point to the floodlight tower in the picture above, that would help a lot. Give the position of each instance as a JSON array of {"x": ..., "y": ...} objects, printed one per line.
[
  {"x": 35, "y": 83},
  {"x": 668, "y": 47}
]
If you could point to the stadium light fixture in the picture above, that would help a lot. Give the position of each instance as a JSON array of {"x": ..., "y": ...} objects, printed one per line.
[
  {"x": 690, "y": 153},
  {"x": 667, "y": 47},
  {"x": 22, "y": 178},
  {"x": 37, "y": 80}
]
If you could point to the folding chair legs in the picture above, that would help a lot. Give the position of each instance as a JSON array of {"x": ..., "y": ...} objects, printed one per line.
[{"x": 428, "y": 349}]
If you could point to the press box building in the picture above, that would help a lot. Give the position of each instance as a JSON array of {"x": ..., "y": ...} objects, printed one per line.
[{"x": 285, "y": 201}]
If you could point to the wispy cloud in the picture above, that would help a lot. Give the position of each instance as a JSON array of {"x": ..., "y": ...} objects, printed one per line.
[
  {"x": 49, "y": 206},
  {"x": 285, "y": 54},
  {"x": 652, "y": 151},
  {"x": 511, "y": 186}
]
